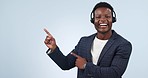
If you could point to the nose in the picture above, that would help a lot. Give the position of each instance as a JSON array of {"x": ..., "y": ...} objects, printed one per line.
[{"x": 103, "y": 19}]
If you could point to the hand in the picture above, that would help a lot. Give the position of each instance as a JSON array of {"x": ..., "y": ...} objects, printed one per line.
[
  {"x": 80, "y": 62},
  {"x": 50, "y": 41}
]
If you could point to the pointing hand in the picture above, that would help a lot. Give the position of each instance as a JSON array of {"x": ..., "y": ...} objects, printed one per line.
[
  {"x": 80, "y": 62},
  {"x": 50, "y": 41}
]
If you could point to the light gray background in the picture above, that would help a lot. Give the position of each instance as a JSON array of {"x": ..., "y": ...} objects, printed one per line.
[{"x": 22, "y": 51}]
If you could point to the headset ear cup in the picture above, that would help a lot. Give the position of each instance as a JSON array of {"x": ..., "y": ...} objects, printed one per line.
[
  {"x": 114, "y": 19},
  {"x": 92, "y": 20}
]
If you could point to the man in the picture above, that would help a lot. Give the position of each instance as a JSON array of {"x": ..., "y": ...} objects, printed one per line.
[{"x": 104, "y": 54}]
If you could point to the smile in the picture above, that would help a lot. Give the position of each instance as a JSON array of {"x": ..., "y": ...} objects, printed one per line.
[{"x": 103, "y": 25}]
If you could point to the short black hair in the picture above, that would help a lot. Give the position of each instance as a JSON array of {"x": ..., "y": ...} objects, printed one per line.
[{"x": 103, "y": 4}]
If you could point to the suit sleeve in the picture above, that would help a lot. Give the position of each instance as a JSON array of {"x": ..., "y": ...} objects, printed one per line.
[
  {"x": 117, "y": 67},
  {"x": 64, "y": 62}
]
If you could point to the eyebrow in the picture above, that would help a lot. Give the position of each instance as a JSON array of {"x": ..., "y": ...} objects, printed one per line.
[{"x": 104, "y": 14}]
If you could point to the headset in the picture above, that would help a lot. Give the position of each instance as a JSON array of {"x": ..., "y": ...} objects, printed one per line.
[{"x": 103, "y": 4}]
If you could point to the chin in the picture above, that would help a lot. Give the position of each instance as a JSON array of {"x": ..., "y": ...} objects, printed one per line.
[{"x": 104, "y": 32}]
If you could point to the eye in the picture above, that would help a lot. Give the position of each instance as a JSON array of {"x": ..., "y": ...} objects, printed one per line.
[
  {"x": 98, "y": 17},
  {"x": 108, "y": 16}
]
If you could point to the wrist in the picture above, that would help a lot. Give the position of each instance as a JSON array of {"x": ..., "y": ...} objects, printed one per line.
[
  {"x": 53, "y": 48},
  {"x": 50, "y": 50}
]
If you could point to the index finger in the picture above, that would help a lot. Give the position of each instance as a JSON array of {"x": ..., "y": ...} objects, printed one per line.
[
  {"x": 47, "y": 31},
  {"x": 75, "y": 55}
]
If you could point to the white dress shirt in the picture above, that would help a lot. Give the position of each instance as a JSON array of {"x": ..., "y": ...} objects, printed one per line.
[{"x": 96, "y": 49}]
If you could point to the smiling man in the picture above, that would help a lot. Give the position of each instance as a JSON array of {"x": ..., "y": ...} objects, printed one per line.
[{"x": 104, "y": 54}]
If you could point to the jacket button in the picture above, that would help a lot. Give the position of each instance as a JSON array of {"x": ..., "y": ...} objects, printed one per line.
[{"x": 89, "y": 74}]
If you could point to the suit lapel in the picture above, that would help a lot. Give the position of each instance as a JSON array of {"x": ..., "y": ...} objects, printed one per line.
[
  {"x": 107, "y": 46},
  {"x": 89, "y": 44}
]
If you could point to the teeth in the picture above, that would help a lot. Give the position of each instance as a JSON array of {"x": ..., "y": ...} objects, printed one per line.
[{"x": 103, "y": 24}]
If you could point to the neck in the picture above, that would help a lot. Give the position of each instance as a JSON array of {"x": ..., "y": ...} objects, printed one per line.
[{"x": 104, "y": 36}]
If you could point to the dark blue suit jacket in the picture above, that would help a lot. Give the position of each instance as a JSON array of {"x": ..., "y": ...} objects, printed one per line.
[{"x": 112, "y": 62}]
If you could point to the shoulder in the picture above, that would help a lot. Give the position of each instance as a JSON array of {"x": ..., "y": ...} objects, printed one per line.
[
  {"x": 87, "y": 39},
  {"x": 89, "y": 36},
  {"x": 121, "y": 40}
]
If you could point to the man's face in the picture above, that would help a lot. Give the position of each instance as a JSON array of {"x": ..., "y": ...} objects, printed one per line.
[{"x": 103, "y": 20}]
